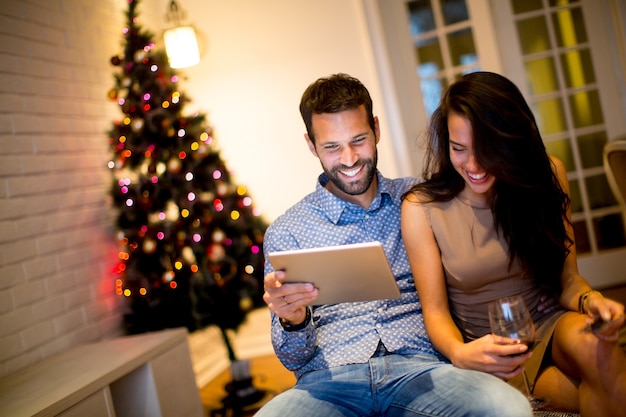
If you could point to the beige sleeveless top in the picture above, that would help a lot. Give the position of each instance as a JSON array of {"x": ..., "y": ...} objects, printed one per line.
[{"x": 475, "y": 264}]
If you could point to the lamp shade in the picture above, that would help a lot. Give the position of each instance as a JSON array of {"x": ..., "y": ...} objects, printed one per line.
[{"x": 181, "y": 47}]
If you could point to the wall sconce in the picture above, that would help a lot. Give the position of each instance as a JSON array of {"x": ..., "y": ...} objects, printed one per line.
[{"x": 181, "y": 44}]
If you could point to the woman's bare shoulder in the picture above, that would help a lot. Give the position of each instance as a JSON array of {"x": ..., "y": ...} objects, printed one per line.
[
  {"x": 416, "y": 197},
  {"x": 557, "y": 164}
]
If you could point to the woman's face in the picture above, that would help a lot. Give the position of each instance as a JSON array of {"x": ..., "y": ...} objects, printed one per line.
[{"x": 478, "y": 183}]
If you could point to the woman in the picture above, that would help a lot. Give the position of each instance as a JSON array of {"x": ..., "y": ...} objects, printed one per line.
[{"x": 491, "y": 220}]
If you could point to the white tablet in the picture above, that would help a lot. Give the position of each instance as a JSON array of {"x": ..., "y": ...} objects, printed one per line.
[{"x": 346, "y": 273}]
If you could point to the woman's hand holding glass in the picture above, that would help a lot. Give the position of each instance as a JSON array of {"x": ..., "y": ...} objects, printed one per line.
[
  {"x": 500, "y": 356},
  {"x": 509, "y": 317}
]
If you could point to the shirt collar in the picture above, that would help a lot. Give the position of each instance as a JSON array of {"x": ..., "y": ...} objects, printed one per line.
[{"x": 334, "y": 206}]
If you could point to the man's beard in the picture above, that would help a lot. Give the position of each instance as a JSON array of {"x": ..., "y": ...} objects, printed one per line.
[{"x": 353, "y": 188}]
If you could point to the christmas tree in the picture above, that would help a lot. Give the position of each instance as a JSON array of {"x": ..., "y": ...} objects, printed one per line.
[{"x": 191, "y": 240}]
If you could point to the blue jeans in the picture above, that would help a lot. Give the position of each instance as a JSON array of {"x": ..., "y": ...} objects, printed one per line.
[{"x": 395, "y": 385}]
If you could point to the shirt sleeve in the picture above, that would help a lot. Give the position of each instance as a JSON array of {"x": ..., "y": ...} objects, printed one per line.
[{"x": 294, "y": 349}]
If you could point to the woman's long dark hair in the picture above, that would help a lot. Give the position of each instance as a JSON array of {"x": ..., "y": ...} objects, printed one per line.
[{"x": 528, "y": 203}]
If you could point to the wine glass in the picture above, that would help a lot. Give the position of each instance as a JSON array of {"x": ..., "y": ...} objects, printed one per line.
[{"x": 509, "y": 317}]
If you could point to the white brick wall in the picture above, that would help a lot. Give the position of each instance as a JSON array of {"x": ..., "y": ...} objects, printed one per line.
[{"x": 57, "y": 246}]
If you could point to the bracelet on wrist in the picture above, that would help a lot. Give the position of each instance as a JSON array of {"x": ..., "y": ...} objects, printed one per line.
[
  {"x": 582, "y": 300},
  {"x": 294, "y": 327}
]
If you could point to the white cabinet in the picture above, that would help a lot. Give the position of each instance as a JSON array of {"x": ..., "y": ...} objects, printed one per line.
[{"x": 147, "y": 375}]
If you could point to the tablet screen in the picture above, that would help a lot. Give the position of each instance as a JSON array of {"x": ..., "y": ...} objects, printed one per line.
[{"x": 346, "y": 273}]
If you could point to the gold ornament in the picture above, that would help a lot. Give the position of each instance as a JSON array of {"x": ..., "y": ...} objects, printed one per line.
[
  {"x": 140, "y": 54},
  {"x": 149, "y": 246},
  {"x": 137, "y": 124},
  {"x": 174, "y": 165}
]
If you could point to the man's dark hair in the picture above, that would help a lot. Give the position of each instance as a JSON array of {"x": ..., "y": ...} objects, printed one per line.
[{"x": 333, "y": 94}]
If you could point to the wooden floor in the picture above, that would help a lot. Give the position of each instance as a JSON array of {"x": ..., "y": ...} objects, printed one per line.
[{"x": 269, "y": 375}]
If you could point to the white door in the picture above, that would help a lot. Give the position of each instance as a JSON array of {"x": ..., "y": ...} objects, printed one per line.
[{"x": 569, "y": 60}]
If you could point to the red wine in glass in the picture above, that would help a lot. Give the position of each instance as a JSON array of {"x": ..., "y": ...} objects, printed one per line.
[{"x": 529, "y": 344}]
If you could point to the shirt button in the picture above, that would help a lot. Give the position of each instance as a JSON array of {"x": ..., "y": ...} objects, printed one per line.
[
  {"x": 380, "y": 310},
  {"x": 378, "y": 325}
]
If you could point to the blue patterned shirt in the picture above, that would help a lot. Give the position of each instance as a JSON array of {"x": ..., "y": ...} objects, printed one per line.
[{"x": 347, "y": 333}]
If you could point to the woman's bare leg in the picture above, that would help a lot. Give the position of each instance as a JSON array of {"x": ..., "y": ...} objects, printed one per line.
[
  {"x": 558, "y": 388},
  {"x": 599, "y": 367}
]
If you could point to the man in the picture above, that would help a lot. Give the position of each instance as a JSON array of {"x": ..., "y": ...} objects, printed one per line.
[{"x": 368, "y": 358}]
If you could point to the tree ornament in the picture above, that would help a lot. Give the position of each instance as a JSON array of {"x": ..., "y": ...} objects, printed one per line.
[
  {"x": 216, "y": 252},
  {"x": 174, "y": 165},
  {"x": 246, "y": 304},
  {"x": 206, "y": 196},
  {"x": 188, "y": 255},
  {"x": 202, "y": 151},
  {"x": 218, "y": 235},
  {"x": 222, "y": 188},
  {"x": 171, "y": 211},
  {"x": 168, "y": 276},
  {"x": 160, "y": 168},
  {"x": 149, "y": 246},
  {"x": 139, "y": 55},
  {"x": 155, "y": 218},
  {"x": 137, "y": 124},
  {"x": 144, "y": 167}
]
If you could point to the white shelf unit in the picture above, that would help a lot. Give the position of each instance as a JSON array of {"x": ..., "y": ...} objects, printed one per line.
[{"x": 146, "y": 375}]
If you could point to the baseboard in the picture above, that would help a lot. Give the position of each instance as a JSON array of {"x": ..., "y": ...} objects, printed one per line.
[{"x": 208, "y": 352}]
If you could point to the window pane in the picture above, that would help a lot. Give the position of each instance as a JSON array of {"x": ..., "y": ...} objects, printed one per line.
[
  {"x": 600, "y": 194},
  {"x": 590, "y": 147},
  {"x": 576, "y": 203},
  {"x": 550, "y": 116},
  {"x": 466, "y": 71},
  {"x": 610, "y": 231},
  {"x": 462, "y": 50},
  {"x": 581, "y": 237},
  {"x": 533, "y": 35},
  {"x": 569, "y": 27},
  {"x": 542, "y": 75},
  {"x": 586, "y": 108},
  {"x": 577, "y": 68},
  {"x": 562, "y": 149},
  {"x": 421, "y": 18},
  {"x": 428, "y": 53},
  {"x": 454, "y": 11},
  {"x": 522, "y": 6},
  {"x": 431, "y": 92},
  {"x": 554, "y": 3}
]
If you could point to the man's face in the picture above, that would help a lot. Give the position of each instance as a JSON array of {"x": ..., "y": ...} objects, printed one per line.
[{"x": 346, "y": 147}]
